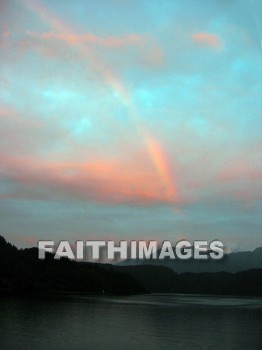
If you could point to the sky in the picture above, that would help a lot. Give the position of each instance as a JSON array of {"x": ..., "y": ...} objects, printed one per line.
[{"x": 131, "y": 119}]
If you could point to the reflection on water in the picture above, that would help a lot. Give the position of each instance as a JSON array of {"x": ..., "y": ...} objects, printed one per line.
[{"x": 165, "y": 321}]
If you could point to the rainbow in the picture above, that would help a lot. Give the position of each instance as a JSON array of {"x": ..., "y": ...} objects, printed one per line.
[{"x": 155, "y": 151}]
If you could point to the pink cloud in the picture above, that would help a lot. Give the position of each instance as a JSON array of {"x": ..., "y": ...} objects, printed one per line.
[
  {"x": 5, "y": 34},
  {"x": 238, "y": 172},
  {"x": 144, "y": 50},
  {"x": 207, "y": 39},
  {"x": 89, "y": 38},
  {"x": 104, "y": 180},
  {"x": 242, "y": 181},
  {"x": 152, "y": 57}
]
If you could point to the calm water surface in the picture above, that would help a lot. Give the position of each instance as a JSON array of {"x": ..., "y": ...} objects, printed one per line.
[{"x": 159, "y": 321}]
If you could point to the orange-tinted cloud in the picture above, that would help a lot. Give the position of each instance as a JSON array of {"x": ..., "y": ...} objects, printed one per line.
[
  {"x": 105, "y": 181},
  {"x": 207, "y": 39},
  {"x": 89, "y": 38},
  {"x": 240, "y": 171},
  {"x": 5, "y": 34}
]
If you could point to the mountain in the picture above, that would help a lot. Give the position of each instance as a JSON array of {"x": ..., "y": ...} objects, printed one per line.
[
  {"x": 21, "y": 271},
  {"x": 160, "y": 279},
  {"x": 233, "y": 262}
]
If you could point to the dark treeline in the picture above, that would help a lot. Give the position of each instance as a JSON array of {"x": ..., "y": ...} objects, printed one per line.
[{"x": 22, "y": 272}]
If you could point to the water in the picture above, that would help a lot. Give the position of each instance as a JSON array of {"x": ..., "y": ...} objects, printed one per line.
[{"x": 160, "y": 321}]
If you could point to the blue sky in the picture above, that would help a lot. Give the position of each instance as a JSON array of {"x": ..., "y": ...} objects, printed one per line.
[{"x": 131, "y": 120}]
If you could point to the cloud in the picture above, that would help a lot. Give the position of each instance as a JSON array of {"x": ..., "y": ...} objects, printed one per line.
[
  {"x": 22, "y": 133},
  {"x": 5, "y": 34},
  {"x": 240, "y": 171},
  {"x": 104, "y": 180},
  {"x": 89, "y": 38},
  {"x": 207, "y": 39},
  {"x": 140, "y": 50}
]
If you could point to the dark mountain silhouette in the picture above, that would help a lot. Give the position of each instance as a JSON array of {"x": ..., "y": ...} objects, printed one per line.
[
  {"x": 21, "y": 271},
  {"x": 160, "y": 279},
  {"x": 233, "y": 262}
]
